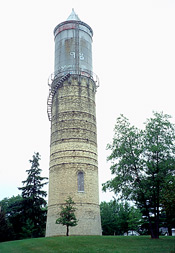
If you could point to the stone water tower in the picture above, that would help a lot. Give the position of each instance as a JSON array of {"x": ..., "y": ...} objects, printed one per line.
[{"x": 73, "y": 143}]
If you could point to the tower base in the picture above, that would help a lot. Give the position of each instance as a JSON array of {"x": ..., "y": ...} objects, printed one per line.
[{"x": 89, "y": 222}]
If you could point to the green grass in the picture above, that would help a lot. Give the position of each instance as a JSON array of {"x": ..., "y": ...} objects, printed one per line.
[{"x": 91, "y": 244}]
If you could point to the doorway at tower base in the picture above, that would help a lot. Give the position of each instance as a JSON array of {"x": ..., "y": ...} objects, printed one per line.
[{"x": 89, "y": 222}]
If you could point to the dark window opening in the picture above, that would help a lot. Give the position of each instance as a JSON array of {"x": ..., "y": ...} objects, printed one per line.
[{"x": 81, "y": 181}]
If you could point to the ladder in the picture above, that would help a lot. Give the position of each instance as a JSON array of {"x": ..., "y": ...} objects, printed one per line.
[{"x": 77, "y": 49}]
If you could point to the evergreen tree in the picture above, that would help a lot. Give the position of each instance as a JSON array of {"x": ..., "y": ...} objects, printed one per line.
[
  {"x": 67, "y": 215},
  {"x": 34, "y": 204},
  {"x": 144, "y": 165}
]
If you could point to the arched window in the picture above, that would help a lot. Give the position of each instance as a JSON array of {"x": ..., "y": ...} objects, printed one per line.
[{"x": 80, "y": 181}]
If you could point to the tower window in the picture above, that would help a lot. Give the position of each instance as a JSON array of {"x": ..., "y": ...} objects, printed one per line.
[{"x": 80, "y": 181}]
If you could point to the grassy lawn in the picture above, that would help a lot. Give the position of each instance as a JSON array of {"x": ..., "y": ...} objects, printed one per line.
[{"x": 91, "y": 244}]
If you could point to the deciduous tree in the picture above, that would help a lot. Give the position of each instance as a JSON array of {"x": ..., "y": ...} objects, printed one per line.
[
  {"x": 143, "y": 162},
  {"x": 168, "y": 205},
  {"x": 67, "y": 215},
  {"x": 12, "y": 209},
  {"x": 5, "y": 229},
  {"x": 118, "y": 218}
]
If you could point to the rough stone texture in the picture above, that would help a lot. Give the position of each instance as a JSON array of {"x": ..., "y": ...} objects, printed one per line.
[{"x": 73, "y": 149}]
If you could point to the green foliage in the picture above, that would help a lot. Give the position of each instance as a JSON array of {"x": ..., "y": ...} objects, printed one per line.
[
  {"x": 92, "y": 244},
  {"x": 168, "y": 204},
  {"x": 143, "y": 163},
  {"x": 5, "y": 228},
  {"x": 28, "y": 230},
  {"x": 67, "y": 215},
  {"x": 25, "y": 216},
  {"x": 8, "y": 204},
  {"x": 12, "y": 208},
  {"x": 33, "y": 183},
  {"x": 118, "y": 218},
  {"x": 34, "y": 204},
  {"x": 108, "y": 218}
]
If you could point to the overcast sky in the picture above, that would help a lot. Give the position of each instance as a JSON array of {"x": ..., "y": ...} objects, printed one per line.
[{"x": 133, "y": 55}]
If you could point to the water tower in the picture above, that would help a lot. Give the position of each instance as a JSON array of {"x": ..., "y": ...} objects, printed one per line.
[{"x": 73, "y": 144}]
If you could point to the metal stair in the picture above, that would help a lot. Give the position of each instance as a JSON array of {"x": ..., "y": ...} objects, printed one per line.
[{"x": 52, "y": 92}]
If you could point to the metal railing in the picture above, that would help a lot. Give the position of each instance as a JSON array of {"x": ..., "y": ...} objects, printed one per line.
[
  {"x": 61, "y": 76},
  {"x": 80, "y": 72},
  {"x": 52, "y": 92}
]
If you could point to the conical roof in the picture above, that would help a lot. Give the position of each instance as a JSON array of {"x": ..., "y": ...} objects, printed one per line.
[{"x": 73, "y": 16}]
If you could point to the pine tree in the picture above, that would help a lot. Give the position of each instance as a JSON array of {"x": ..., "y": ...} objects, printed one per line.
[{"x": 34, "y": 204}]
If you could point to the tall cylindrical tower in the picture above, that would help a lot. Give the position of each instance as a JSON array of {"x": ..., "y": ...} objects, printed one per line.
[{"x": 73, "y": 144}]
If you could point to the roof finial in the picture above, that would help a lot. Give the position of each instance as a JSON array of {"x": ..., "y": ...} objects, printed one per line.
[{"x": 73, "y": 16}]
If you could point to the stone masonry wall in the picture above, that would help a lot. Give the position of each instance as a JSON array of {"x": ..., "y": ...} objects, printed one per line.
[{"x": 73, "y": 149}]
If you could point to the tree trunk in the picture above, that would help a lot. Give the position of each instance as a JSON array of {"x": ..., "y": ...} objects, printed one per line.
[
  {"x": 153, "y": 226},
  {"x": 153, "y": 230},
  {"x": 169, "y": 231},
  {"x": 157, "y": 225},
  {"x": 67, "y": 232}
]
